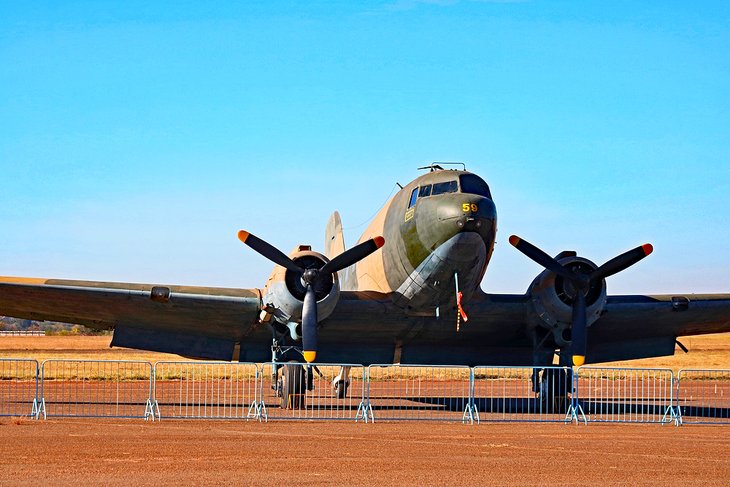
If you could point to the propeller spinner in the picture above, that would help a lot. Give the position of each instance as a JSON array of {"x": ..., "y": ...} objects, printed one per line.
[
  {"x": 581, "y": 284},
  {"x": 310, "y": 278}
]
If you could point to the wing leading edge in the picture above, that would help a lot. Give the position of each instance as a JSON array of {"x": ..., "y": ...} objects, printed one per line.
[{"x": 194, "y": 321}]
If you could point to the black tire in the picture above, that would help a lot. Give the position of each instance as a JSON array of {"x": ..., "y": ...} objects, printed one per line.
[
  {"x": 341, "y": 387},
  {"x": 293, "y": 386},
  {"x": 554, "y": 391}
]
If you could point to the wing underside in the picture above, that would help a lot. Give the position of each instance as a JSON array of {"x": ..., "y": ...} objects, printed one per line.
[{"x": 194, "y": 321}]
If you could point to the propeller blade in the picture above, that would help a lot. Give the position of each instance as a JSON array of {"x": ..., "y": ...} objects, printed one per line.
[
  {"x": 351, "y": 256},
  {"x": 540, "y": 257},
  {"x": 621, "y": 262},
  {"x": 579, "y": 332},
  {"x": 269, "y": 251},
  {"x": 309, "y": 325}
]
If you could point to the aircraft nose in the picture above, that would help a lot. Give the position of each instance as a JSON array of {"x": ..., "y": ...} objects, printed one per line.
[
  {"x": 462, "y": 213},
  {"x": 470, "y": 213}
]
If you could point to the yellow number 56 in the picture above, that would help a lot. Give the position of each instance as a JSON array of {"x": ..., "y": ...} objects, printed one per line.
[{"x": 466, "y": 207}]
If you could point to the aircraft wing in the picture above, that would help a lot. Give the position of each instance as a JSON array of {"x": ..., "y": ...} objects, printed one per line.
[
  {"x": 194, "y": 321},
  {"x": 633, "y": 327}
]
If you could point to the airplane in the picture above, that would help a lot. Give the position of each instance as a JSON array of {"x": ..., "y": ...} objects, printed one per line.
[{"x": 408, "y": 292}]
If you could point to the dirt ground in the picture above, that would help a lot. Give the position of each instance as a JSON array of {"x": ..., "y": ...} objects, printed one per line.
[
  {"x": 115, "y": 452},
  {"x": 132, "y": 452}
]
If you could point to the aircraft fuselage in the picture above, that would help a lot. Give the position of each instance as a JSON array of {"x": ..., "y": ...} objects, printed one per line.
[{"x": 438, "y": 229}]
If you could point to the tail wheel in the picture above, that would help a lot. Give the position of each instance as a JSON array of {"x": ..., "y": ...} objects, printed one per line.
[{"x": 293, "y": 387}]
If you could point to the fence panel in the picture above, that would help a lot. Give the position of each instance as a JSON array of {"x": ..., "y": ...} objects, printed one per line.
[
  {"x": 18, "y": 387},
  {"x": 703, "y": 396},
  {"x": 522, "y": 393},
  {"x": 624, "y": 395},
  {"x": 312, "y": 391},
  {"x": 206, "y": 390},
  {"x": 96, "y": 388},
  {"x": 418, "y": 392}
]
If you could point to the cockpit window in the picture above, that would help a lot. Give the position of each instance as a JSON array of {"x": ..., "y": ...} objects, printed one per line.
[
  {"x": 414, "y": 195},
  {"x": 473, "y": 184},
  {"x": 446, "y": 187},
  {"x": 424, "y": 191}
]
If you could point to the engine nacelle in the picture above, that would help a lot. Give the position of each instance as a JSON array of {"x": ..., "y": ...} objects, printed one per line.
[
  {"x": 552, "y": 297},
  {"x": 283, "y": 296}
]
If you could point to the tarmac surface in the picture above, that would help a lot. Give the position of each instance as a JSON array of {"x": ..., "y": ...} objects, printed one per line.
[{"x": 76, "y": 452}]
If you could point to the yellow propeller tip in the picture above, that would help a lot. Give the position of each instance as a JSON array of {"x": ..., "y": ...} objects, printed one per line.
[
  {"x": 309, "y": 356},
  {"x": 243, "y": 235},
  {"x": 578, "y": 360}
]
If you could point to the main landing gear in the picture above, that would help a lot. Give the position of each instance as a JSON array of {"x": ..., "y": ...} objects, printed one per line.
[
  {"x": 292, "y": 386},
  {"x": 553, "y": 387},
  {"x": 294, "y": 380}
]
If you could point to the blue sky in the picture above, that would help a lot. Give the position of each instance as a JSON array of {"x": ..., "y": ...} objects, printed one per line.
[{"x": 136, "y": 139}]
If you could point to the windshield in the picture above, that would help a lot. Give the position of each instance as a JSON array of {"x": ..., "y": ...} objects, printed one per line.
[
  {"x": 473, "y": 184},
  {"x": 446, "y": 187}
]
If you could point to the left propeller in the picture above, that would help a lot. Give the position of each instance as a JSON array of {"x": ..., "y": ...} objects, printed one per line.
[
  {"x": 310, "y": 278},
  {"x": 581, "y": 284}
]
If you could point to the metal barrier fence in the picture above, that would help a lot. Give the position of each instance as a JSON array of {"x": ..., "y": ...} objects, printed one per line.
[
  {"x": 211, "y": 390},
  {"x": 312, "y": 391},
  {"x": 226, "y": 390},
  {"x": 18, "y": 387},
  {"x": 703, "y": 396},
  {"x": 522, "y": 393},
  {"x": 96, "y": 388},
  {"x": 622, "y": 395},
  {"x": 419, "y": 392}
]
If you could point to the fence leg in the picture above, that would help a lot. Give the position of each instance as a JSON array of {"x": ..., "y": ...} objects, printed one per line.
[
  {"x": 364, "y": 411},
  {"x": 149, "y": 411},
  {"x": 257, "y": 410},
  {"x": 471, "y": 414},
  {"x": 41, "y": 409},
  {"x": 575, "y": 413},
  {"x": 672, "y": 415}
]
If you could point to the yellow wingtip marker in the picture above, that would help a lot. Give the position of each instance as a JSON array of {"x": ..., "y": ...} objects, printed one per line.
[
  {"x": 309, "y": 356},
  {"x": 578, "y": 360}
]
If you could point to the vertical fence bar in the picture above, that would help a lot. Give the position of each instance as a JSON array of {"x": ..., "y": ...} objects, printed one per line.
[
  {"x": 420, "y": 392},
  {"x": 703, "y": 396},
  {"x": 19, "y": 387},
  {"x": 291, "y": 391},
  {"x": 626, "y": 395},
  {"x": 524, "y": 394},
  {"x": 207, "y": 390},
  {"x": 96, "y": 388}
]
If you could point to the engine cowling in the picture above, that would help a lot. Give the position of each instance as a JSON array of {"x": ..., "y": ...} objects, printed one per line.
[
  {"x": 283, "y": 296},
  {"x": 552, "y": 297}
]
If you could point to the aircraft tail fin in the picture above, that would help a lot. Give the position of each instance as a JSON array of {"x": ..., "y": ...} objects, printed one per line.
[{"x": 334, "y": 240}]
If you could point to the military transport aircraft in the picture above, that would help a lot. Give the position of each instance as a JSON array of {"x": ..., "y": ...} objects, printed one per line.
[{"x": 403, "y": 294}]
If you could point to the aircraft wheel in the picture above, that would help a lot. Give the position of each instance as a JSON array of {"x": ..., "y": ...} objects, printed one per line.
[
  {"x": 293, "y": 387},
  {"x": 341, "y": 389},
  {"x": 554, "y": 391}
]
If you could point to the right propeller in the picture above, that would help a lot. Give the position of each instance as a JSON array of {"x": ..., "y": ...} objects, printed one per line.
[{"x": 579, "y": 284}]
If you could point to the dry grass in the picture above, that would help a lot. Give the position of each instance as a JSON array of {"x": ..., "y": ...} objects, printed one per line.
[
  {"x": 42, "y": 348},
  {"x": 705, "y": 351}
]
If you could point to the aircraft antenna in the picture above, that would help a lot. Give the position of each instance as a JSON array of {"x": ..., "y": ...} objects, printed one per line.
[{"x": 438, "y": 166}]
